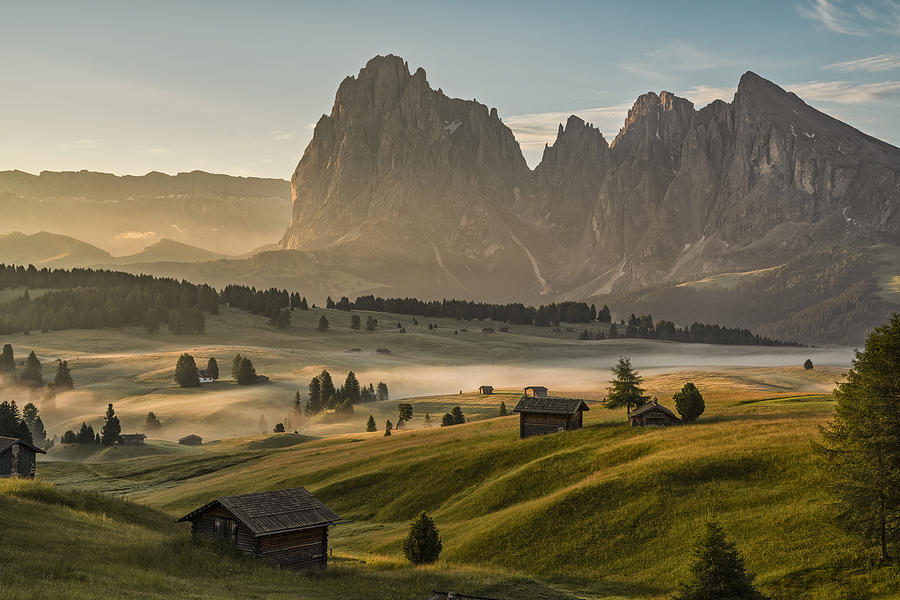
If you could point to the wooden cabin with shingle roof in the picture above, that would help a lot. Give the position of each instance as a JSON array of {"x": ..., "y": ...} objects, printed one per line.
[
  {"x": 18, "y": 458},
  {"x": 539, "y": 415},
  {"x": 653, "y": 413},
  {"x": 286, "y": 528}
]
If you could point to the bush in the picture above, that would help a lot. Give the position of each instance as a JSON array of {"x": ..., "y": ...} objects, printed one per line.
[{"x": 423, "y": 544}]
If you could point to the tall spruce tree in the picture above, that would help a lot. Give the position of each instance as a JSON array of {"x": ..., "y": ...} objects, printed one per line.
[
  {"x": 63, "y": 378},
  {"x": 326, "y": 390},
  {"x": 352, "y": 389},
  {"x": 861, "y": 444},
  {"x": 152, "y": 424},
  {"x": 323, "y": 323},
  {"x": 111, "y": 430},
  {"x": 186, "y": 374},
  {"x": 212, "y": 367},
  {"x": 370, "y": 424},
  {"x": 626, "y": 387},
  {"x": 458, "y": 417},
  {"x": 31, "y": 374},
  {"x": 689, "y": 402},
  {"x": 717, "y": 570},
  {"x": 382, "y": 392},
  {"x": 314, "y": 404},
  {"x": 246, "y": 373},
  {"x": 236, "y": 365},
  {"x": 7, "y": 360}
]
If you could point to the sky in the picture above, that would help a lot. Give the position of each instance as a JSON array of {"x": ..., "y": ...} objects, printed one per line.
[{"x": 237, "y": 87}]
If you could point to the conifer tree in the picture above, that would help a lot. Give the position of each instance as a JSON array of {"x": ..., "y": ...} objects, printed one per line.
[
  {"x": 314, "y": 404},
  {"x": 323, "y": 323},
  {"x": 370, "y": 424},
  {"x": 355, "y": 322},
  {"x": 808, "y": 364},
  {"x": 326, "y": 389},
  {"x": 236, "y": 365},
  {"x": 152, "y": 424},
  {"x": 371, "y": 323},
  {"x": 502, "y": 408},
  {"x": 382, "y": 392},
  {"x": 63, "y": 378},
  {"x": 297, "y": 404},
  {"x": 186, "y": 374},
  {"x": 447, "y": 420},
  {"x": 458, "y": 417},
  {"x": 246, "y": 373},
  {"x": 423, "y": 543},
  {"x": 716, "y": 570},
  {"x": 279, "y": 428},
  {"x": 352, "y": 389},
  {"x": 212, "y": 367},
  {"x": 405, "y": 411},
  {"x": 861, "y": 444},
  {"x": 427, "y": 420},
  {"x": 387, "y": 428},
  {"x": 7, "y": 360},
  {"x": 111, "y": 430},
  {"x": 689, "y": 402},
  {"x": 626, "y": 387},
  {"x": 31, "y": 375}
]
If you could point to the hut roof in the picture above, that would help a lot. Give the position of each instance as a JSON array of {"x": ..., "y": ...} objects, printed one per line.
[
  {"x": 6, "y": 442},
  {"x": 549, "y": 405},
  {"x": 133, "y": 435},
  {"x": 189, "y": 437},
  {"x": 535, "y": 387},
  {"x": 275, "y": 511},
  {"x": 650, "y": 406}
]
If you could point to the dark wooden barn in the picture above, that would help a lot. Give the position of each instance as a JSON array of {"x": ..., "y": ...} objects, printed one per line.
[
  {"x": 652, "y": 413},
  {"x": 132, "y": 439},
  {"x": 17, "y": 458},
  {"x": 486, "y": 390},
  {"x": 539, "y": 415},
  {"x": 286, "y": 528},
  {"x": 537, "y": 391},
  {"x": 191, "y": 440}
]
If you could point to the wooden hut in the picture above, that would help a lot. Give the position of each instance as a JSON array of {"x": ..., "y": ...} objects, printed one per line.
[
  {"x": 191, "y": 440},
  {"x": 435, "y": 595},
  {"x": 286, "y": 528},
  {"x": 536, "y": 391},
  {"x": 486, "y": 390},
  {"x": 539, "y": 415},
  {"x": 132, "y": 439},
  {"x": 17, "y": 458},
  {"x": 653, "y": 413}
]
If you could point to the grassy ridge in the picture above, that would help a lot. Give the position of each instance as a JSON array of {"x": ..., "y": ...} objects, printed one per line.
[{"x": 608, "y": 511}]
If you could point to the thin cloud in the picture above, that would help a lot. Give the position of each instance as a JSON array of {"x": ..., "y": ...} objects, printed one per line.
[
  {"x": 862, "y": 18},
  {"x": 845, "y": 92},
  {"x": 281, "y": 136},
  {"x": 82, "y": 144},
  {"x": 136, "y": 235},
  {"x": 871, "y": 64},
  {"x": 536, "y": 129},
  {"x": 701, "y": 95}
]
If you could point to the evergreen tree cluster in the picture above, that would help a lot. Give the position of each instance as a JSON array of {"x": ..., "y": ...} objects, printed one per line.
[
  {"x": 12, "y": 424},
  {"x": 323, "y": 395},
  {"x": 272, "y": 303},
  {"x": 454, "y": 417},
  {"x": 32, "y": 418},
  {"x": 93, "y": 299},
  {"x": 514, "y": 313}
]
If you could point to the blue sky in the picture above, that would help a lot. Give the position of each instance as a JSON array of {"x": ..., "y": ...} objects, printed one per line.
[{"x": 235, "y": 87}]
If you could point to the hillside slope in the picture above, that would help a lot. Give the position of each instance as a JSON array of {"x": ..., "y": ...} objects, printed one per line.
[{"x": 585, "y": 510}]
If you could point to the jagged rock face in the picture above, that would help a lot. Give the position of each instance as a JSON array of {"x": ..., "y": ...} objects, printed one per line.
[{"x": 402, "y": 177}]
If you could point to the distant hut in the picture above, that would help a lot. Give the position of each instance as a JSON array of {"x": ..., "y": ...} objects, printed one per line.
[
  {"x": 205, "y": 376},
  {"x": 455, "y": 596},
  {"x": 486, "y": 390},
  {"x": 536, "y": 391},
  {"x": 17, "y": 458},
  {"x": 382, "y": 351},
  {"x": 132, "y": 439},
  {"x": 653, "y": 413},
  {"x": 191, "y": 440},
  {"x": 539, "y": 415},
  {"x": 262, "y": 379},
  {"x": 504, "y": 330},
  {"x": 487, "y": 330},
  {"x": 286, "y": 528}
]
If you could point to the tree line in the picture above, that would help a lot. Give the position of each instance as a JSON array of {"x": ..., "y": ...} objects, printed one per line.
[{"x": 324, "y": 395}]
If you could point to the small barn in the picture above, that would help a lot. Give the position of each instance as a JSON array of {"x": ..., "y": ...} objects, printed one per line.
[
  {"x": 486, "y": 390},
  {"x": 17, "y": 458},
  {"x": 539, "y": 415},
  {"x": 205, "y": 376},
  {"x": 653, "y": 413},
  {"x": 191, "y": 440},
  {"x": 536, "y": 391},
  {"x": 286, "y": 528},
  {"x": 487, "y": 330},
  {"x": 132, "y": 439}
]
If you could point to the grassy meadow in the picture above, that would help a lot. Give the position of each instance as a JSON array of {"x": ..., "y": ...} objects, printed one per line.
[{"x": 601, "y": 513}]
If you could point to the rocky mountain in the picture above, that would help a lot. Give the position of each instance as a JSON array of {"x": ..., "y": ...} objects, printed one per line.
[
  {"x": 431, "y": 194},
  {"x": 123, "y": 214}
]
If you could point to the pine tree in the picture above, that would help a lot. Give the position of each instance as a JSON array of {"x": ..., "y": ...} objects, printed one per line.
[
  {"x": 352, "y": 389},
  {"x": 212, "y": 367},
  {"x": 7, "y": 360},
  {"x": 405, "y": 414},
  {"x": 626, "y": 388},
  {"x": 861, "y": 444},
  {"x": 355, "y": 322},
  {"x": 63, "y": 378},
  {"x": 329, "y": 303},
  {"x": 382, "y": 392},
  {"x": 11, "y": 422},
  {"x": 808, "y": 364},
  {"x": 314, "y": 404},
  {"x": 326, "y": 390},
  {"x": 31, "y": 375},
  {"x": 447, "y": 420},
  {"x": 458, "y": 417},
  {"x": 387, "y": 428},
  {"x": 689, "y": 402},
  {"x": 717, "y": 570},
  {"x": 186, "y": 374},
  {"x": 423, "y": 544},
  {"x": 371, "y": 323},
  {"x": 370, "y": 424},
  {"x": 427, "y": 420},
  {"x": 111, "y": 430},
  {"x": 152, "y": 424},
  {"x": 246, "y": 373},
  {"x": 279, "y": 428},
  {"x": 297, "y": 404},
  {"x": 502, "y": 409},
  {"x": 323, "y": 323}
]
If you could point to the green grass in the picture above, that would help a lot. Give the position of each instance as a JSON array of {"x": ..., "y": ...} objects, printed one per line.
[{"x": 605, "y": 512}]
